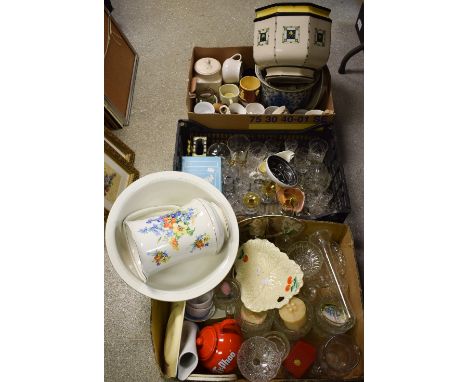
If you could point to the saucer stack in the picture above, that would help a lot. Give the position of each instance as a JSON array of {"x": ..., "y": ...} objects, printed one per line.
[{"x": 201, "y": 308}]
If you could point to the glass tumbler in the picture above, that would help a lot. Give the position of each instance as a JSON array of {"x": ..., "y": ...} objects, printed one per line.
[
  {"x": 317, "y": 150},
  {"x": 273, "y": 146},
  {"x": 258, "y": 150},
  {"x": 239, "y": 147},
  {"x": 337, "y": 357},
  {"x": 291, "y": 144}
]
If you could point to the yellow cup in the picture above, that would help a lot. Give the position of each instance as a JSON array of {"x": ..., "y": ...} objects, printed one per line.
[{"x": 249, "y": 88}]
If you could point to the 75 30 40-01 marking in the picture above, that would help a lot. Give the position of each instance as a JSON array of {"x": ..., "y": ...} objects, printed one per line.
[{"x": 288, "y": 118}]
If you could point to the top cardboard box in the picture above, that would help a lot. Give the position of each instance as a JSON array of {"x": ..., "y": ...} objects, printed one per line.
[{"x": 251, "y": 121}]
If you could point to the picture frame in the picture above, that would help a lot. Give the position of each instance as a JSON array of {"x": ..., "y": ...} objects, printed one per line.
[
  {"x": 118, "y": 174},
  {"x": 120, "y": 67},
  {"x": 125, "y": 152}
]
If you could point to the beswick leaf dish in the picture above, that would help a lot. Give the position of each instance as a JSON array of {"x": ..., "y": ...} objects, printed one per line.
[{"x": 267, "y": 276}]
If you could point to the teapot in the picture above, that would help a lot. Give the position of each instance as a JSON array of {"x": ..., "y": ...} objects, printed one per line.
[{"x": 218, "y": 346}]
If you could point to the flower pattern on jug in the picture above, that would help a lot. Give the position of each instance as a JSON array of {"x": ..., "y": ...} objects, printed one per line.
[
  {"x": 172, "y": 226},
  {"x": 201, "y": 242},
  {"x": 161, "y": 257}
]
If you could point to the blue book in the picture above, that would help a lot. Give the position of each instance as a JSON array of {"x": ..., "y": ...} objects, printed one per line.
[{"x": 208, "y": 168}]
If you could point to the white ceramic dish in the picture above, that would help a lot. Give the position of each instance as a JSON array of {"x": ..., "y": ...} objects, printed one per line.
[{"x": 186, "y": 280}]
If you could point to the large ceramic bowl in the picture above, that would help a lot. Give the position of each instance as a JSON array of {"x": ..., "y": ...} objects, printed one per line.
[
  {"x": 186, "y": 280},
  {"x": 293, "y": 99}
]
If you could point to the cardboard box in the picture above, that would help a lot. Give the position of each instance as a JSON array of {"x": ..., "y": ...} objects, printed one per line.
[
  {"x": 341, "y": 233},
  {"x": 243, "y": 122}
]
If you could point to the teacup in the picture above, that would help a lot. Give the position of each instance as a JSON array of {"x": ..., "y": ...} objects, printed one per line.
[
  {"x": 204, "y": 108},
  {"x": 207, "y": 95},
  {"x": 229, "y": 93},
  {"x": 255, "y": 108},
  {"x": 237, "y": 108},
  {"x": 249, "y": 89},
  {"x": 197, "y": 229},
  {"x": 281, "y": 110},
  {"x": 232, "y": 69},
  {"x": 270, "y": 109},
  {"x": 314, "y": 112},
  {"x": 223, "y": 109}
]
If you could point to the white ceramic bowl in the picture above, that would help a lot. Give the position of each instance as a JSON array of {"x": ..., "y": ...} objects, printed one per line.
[{"x": 186, "y": 280}]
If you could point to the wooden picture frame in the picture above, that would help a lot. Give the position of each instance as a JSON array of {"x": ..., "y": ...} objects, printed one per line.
[
  {"x": 125, "y": 152},
  {"x": 120, "y": 67},
  {"x": 118, "y": 174}
]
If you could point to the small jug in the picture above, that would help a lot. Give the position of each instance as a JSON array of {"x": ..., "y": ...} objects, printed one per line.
[{"x": 232, "y": 69}]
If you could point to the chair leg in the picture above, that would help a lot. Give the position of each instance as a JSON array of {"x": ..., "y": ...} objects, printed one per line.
[{"x": 346, "y": 58}]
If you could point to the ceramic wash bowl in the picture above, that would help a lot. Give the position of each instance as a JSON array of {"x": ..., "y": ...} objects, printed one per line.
[{"x": 185, "y": 280}]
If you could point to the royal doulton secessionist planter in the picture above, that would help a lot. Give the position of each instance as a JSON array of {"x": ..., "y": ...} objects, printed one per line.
[{"x": 289, "y": 34}]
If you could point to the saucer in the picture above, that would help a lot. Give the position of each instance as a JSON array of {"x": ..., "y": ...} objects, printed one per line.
[
  {"x": 201, "y": 319},
  {"x": 290, "y": 71}
]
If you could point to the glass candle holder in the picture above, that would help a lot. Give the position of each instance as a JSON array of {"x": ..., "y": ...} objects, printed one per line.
[
  {"x": 295, "y": 319},
  {"x": 253, "y": 323},
  {"x": 258, "y": 359}
]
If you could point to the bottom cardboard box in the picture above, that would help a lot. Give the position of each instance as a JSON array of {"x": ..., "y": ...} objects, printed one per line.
[{"x": 172, "y": 312}]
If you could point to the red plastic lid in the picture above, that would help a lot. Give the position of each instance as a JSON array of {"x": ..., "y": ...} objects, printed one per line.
[{"x": 206, "y": 342}]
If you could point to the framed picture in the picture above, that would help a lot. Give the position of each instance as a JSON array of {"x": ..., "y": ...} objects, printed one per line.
[
  {"x": 125, "y": 152},
  {"x": 118, "y": 174},
  {"x": 120, "y": 66}
]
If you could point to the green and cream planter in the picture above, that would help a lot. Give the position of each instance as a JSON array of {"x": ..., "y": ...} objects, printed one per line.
[{"x": 292, "y": 34}]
